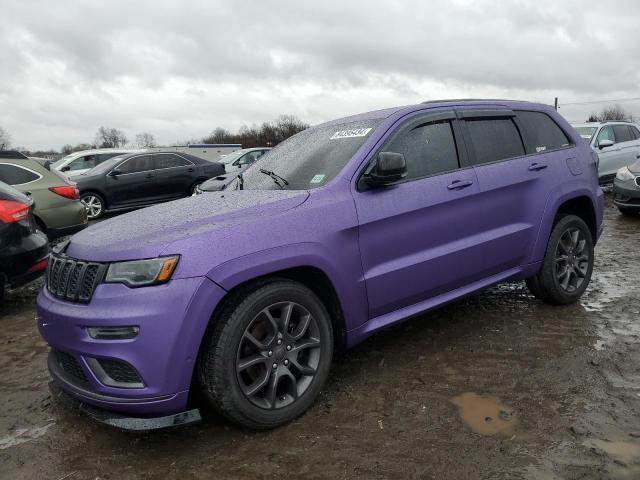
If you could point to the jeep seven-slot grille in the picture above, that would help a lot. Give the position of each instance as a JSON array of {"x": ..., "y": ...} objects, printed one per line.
[{"x": 73, "y": 280}]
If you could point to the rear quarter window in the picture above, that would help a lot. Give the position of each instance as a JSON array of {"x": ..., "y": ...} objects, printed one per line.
[
  {"x": 541, "y": 133},
  {"x": 14, "y": 175}
]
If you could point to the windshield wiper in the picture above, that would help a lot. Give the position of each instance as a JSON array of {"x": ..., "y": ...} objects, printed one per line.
[{"x": 275, "y": 177}]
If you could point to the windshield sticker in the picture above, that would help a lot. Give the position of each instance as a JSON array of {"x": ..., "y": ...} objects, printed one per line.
[
  {"x": 317, "y": 178},
  {"x": 540, "y": 149},
  {"x": 354, "y": 132}
]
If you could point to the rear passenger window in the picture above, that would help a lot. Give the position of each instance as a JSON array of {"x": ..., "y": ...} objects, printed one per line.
[
  {"x": 428, "y": 149},
  {"x": 541, "y": 133},
  {"x": 494, "y": 139},
  {"x": 622, "y": 133},
  {"x": 169, "y": 160},
  {"x": 635, "y": 132},
  {"x": 14, "y": 175}
]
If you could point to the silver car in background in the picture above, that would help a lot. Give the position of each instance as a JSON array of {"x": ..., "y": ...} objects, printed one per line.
[
  {"x": 234, "y": 164},
  {"x": 617, "y": 144}
]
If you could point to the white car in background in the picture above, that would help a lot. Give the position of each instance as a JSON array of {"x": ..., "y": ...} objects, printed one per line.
[
  {"x": 81, "y": 162},
  {"x": 616, "y": 142}
]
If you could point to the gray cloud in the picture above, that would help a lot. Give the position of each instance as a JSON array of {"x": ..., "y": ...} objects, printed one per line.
[{"x": 180, "y": 69}]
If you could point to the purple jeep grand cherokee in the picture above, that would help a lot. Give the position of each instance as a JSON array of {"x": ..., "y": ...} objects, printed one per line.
[{"x": 343, "y": 229}]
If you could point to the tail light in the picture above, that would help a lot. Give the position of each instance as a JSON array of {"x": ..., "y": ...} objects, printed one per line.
[
  {"x": 38, "y": 266},
  {"x": 67, "y": 191},
  {"x": 12, "y": 211}
]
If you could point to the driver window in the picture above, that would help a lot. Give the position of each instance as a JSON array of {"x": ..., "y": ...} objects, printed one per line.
[
  {"x": 137, "y": 164},
  {"x": 429, "y": 149},
  {"x": 80, "y": 163},
  {"x": 606, "y": 133}
]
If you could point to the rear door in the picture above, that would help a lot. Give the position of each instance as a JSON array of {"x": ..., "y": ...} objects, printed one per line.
[
  {"x": 519, "y": 159},
  {"x": 419, "y": 238},
  {"x": 174, "y": 175},
  {"x": 134, "y": 183}
]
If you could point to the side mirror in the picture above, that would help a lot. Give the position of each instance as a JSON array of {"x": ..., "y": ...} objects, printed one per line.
[
  {"x": 604, "y": 143},
  {"x": 389, "y": 167},
  {"x": 66, "y": 168},
  {"x": 115, "y": 173}
]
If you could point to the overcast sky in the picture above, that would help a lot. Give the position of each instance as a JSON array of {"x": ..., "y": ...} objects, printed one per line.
[{"x": 179, "y": 69}]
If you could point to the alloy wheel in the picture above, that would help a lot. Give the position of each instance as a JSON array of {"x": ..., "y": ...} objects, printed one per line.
[
  {"x": 93, "y": 205},
  {"x": 278, "y": 355},
  {"x": 572, "y": 259}
]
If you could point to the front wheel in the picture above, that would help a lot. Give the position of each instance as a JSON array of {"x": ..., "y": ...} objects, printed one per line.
[
  {"x": 267, "y": 354},
  {"x": 567, "y": 265},
  {"x": 94, "y": 204}
]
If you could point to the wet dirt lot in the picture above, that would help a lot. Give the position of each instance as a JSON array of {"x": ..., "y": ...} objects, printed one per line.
[{"x": 496, "y": 386}]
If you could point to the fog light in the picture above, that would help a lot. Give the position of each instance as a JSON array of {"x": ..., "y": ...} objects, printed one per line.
[{"x": 113, "y": 333}]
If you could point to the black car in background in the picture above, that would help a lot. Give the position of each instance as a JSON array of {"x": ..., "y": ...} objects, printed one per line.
[
  {"x": 23, "y": 248},
  {"x": 140, "y": 179},
  {"x": 626, "y": 189}
]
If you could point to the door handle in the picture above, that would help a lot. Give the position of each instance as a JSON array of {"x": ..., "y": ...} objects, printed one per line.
[
  {"x": 534, "y": 167},
  {"x": 190, "y": 170},
  {"x": 458, "y": 184},
  {"x": 150, "y": 175}
]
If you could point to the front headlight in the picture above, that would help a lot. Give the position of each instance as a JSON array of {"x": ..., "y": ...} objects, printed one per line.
[
  {"x": 624, "y": 174},
  {"x": 140, "y": 273}
]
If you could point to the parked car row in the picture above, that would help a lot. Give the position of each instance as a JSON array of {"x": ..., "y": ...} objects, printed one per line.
[{"x": 341, "y": 230}]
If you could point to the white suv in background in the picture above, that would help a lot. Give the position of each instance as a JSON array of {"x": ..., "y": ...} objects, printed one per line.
[
  {"x": 78, "y": 163},
  {"x": 617, "y": 144}
]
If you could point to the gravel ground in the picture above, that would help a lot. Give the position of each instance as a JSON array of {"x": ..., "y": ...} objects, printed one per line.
[{"x": 495, "y": 386}]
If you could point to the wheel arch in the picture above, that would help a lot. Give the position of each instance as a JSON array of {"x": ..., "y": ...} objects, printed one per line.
[{"x": 578, "y": 203}]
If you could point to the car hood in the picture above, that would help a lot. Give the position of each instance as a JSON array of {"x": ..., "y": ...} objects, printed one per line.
[
  {"x": 635, "y": 168},
  {"x": 146, "y": 233}
]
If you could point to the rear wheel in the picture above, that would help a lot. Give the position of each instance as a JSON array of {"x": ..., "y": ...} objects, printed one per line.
[
  {"x": 267, "y": 354},
  {"x": 94, "y": 204},
  {"x": 567, "y": 265}
]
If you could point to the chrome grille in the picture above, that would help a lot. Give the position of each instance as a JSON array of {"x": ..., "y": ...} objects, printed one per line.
[{"x": 73, "y": 280}]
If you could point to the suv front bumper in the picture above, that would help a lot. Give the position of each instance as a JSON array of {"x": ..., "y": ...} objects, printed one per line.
[{"x": 171, "y": 319}]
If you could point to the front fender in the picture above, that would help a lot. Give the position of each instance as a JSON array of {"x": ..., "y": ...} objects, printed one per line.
[{"x": 349, "y": 287}]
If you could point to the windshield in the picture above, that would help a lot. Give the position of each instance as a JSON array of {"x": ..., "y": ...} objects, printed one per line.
[
  {"x": 586, "y": 132},
  {"x": 309, "y": 159}
]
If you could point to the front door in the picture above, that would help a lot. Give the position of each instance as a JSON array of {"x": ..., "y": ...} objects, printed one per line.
[
  {"x": 420, "y": 237},
  {"x": 133, "y": 184}
]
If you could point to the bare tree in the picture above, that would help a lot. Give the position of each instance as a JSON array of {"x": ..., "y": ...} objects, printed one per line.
[
  {"x": 612, "y": 112},
  {"x": 145, "y": 140},
  {"x": 66, "y": 149},
  {"x": 110, "y": 138},
  {"x": 5, "y": 139},
  {"x": 267, "y": 134}
]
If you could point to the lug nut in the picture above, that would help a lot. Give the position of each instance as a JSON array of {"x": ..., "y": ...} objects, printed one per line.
[
  {"x": 279, "y": 341},
  {"x": 286, "y": 362},
  {"x": 288, "y": 347},
  {"x": 270, "y": 353},
  {"x": 275, "y": 365}
]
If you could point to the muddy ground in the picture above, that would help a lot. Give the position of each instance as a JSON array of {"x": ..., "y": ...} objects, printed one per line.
[{"x": 495, "y": 386}]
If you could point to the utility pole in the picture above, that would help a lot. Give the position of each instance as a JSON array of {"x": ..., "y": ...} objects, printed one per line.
[{"x": 555, "y": 104}]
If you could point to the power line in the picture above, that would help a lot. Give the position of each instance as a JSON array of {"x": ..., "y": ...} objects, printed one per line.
[{"x": 619, "y": 100}]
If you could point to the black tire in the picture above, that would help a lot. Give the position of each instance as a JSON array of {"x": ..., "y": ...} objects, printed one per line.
[
  {"x": 226, "y": 348},
  {"x": 94, "y": 203},
  {"x": 566, "y": 261},
  {"x": 628, "y": 212}
]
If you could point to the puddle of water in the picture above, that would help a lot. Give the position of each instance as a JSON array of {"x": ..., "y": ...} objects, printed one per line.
[
  {"x": 23, "y": 435},
  {"x": 485, "y": 415},
  {"x": 625, "y": 451}
]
